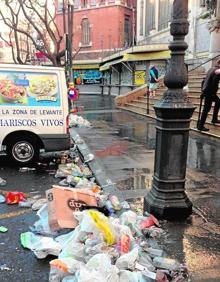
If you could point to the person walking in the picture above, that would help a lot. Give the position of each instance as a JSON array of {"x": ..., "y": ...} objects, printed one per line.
[
  {"x": 209, "y": 93},
  {"x": 154, "y": 78}
]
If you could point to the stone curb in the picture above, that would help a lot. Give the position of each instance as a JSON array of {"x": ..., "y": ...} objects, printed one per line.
[{"x": 96, "y": 167}]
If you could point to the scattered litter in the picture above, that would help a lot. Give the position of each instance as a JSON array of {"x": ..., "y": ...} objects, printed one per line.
[
  {"x": 63, "y": 201},
  {"x": 38, "y": 204},
  {"x": 78, "y": 121},
  {"x": 25, "y": 169},
  {"x": 26, "y": 204},
  {"x": 2, "y": 199},
  {"x": 15, "y": 197},
  {"x": 41, "y": 246},
  {"x": 3, "y": 229},
  {"x": 95, "y": 236},
  {"x": 4, "y": 267},
  {"x": 3, "y": 182},
  {"x": 89, "y": 158},
  {"x": 166, "y": 263}
]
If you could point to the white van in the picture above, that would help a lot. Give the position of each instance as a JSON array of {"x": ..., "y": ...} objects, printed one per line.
[{"x": 33, "y": 111}]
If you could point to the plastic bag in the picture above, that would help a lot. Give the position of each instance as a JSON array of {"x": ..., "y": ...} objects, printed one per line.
[
  {"x": 148, "y": 222},
  {"x": 88, "y": 275},
  {"x": 41, "y": 246},
  {"x": 95, "y": 222},
  {"x": 166, "y": 263},
  {"x": 128, "y": 260},
  {"x": 70, "y": 278},
  {"x": 15, "y": 197},
  {"x": 102, "y": 264},
  {"x": 42, "y": 225},
  {"x": 128, "y": 218},
  {"x": 67, "y": 265},
  {"x": 103, "y": 224},
  {"x": 128, "y": 276},
  {"x": 146, "y": 261}
]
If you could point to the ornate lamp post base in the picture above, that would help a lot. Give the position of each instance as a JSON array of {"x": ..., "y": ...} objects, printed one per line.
[
  {"x": 167, "y": 198},
  {"x": 169, "y": 210}
]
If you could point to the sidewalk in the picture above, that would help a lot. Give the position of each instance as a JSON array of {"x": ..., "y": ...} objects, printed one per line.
[{"x": 124, "y": 144}]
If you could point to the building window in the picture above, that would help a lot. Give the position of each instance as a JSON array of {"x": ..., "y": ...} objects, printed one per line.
[
  {"x": 93, "y": 2},
  {"x": 202, "y": 3},
  {"x": 84, "y": 3},
  {"x": 165, "y": 7},
  {"x": 85, "y": 32},
  {"x": 150, "y": 16},
  {"x": 101, "y": 2},
  {"x": 76, "y": 4},
  {"x": 127, "y": 32},
  {"x": 59, "y": 5},
  {"x": 142, "y": 17}
]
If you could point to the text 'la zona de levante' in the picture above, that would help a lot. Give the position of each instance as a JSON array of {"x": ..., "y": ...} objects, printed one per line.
[{"x": 30, "y": 112}]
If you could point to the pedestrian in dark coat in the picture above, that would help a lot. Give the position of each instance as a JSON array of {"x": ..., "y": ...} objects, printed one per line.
[{"x": 209, "y": 93}]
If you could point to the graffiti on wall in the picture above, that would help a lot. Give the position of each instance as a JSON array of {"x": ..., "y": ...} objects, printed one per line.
[
  {"x": 87, "y": 77},
  {"x": 139, "y": 77}
]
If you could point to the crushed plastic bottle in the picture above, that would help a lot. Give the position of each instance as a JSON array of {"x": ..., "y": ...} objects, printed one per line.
[
  {"x": 124, "y": 244},
  {"x": 115, "y": 202},
  {"x": 3, "y": 182},
  {"x": 166, "y": 263},
  {"x": 2, "y": 199},
  {"x": 25, "y": 169}
]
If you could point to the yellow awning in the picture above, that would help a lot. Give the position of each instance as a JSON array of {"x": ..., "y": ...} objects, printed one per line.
[
  {"x": 147, "y": 56},
  {"x": 106, "y": 66},
  {"x": 85, "y": 67}
]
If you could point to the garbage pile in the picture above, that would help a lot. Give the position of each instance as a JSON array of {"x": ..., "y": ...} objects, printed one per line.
[
  {"x": 95, "y": 237},
  {"x": 78, "y": 121}
]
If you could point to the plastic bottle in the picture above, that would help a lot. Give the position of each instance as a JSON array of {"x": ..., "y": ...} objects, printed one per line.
[
  {"x": 115, "y": 202},
  {"x": 166, "y": 263},
  {"x": 110, "y": 208},
  {"x": 124, "y": 244}
]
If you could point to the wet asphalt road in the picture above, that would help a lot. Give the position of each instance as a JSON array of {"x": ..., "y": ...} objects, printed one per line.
[
  {"x": 125, "y": 145},
  {"x": 16, "y": 263}
]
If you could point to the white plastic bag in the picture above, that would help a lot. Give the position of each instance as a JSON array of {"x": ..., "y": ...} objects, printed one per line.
[
  {"x": 42, "y": 225},
  {"x": 88, "y": 275},
  {"x": 128, "y": 218},
  {"x": 128, "y": 276},
  {"x": 41, "y": 246},
  {"x": 128, "y": 260},
  {"x": 102, "y": 264}
]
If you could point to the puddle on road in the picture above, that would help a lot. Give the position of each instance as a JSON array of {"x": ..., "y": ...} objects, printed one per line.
[
  {"x": 136, "y": 179},
  {"x": 203, "y": 152}
]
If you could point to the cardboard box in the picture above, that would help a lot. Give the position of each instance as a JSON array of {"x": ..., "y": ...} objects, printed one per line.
[{"x": 63, "y": 201}]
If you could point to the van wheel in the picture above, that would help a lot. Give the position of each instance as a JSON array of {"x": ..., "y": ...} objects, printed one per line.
[{"x": 23, "y": 150}]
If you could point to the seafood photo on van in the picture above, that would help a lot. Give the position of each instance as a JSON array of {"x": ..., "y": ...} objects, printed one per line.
[{"x": 10, "y": 92}]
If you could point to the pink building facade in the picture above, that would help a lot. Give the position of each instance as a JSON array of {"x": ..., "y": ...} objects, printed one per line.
[{"x": 100, "y": 27}]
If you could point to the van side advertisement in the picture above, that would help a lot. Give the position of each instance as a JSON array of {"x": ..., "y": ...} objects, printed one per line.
[{"x": 29, "y": 89}]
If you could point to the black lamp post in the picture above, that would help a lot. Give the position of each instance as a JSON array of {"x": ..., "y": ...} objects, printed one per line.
[
  {"x": 68, "y": 6},
  {"x": 167, "y": 198}
]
